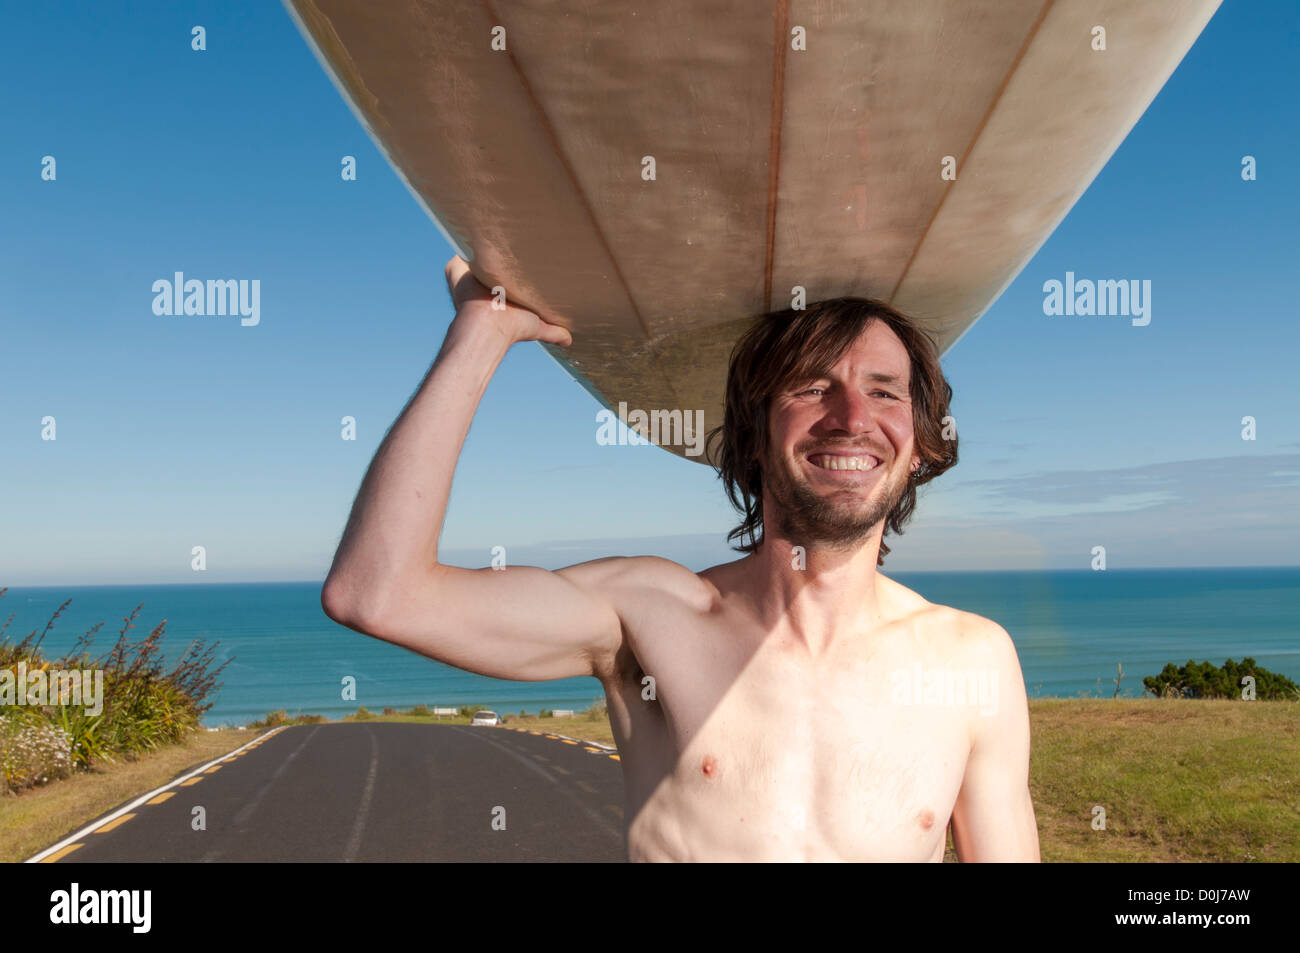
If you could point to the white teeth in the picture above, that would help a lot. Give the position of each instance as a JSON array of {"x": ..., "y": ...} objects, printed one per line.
[{"x": 831, "y": 462}]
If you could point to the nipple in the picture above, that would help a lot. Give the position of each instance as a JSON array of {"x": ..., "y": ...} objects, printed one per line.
[
  {"x": 926, "y": 817},
  {"x": 709, "y": 767}
]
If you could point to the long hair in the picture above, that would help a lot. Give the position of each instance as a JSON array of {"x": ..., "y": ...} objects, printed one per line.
[{"x": 787, "y": 346}]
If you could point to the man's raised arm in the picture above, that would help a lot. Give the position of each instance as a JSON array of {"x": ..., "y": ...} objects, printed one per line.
[{"x": 521, "y": 623}]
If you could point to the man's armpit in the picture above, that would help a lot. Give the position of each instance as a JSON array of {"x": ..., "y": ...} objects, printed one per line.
[{"x": 632, "y": 585}]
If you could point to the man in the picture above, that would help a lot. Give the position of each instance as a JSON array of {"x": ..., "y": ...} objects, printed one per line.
[{"x": 805, "y": 706}]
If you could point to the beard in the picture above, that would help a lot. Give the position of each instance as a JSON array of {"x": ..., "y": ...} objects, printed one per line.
[{"x": 834, "y": 518}]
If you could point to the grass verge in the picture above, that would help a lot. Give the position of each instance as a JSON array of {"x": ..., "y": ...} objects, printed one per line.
[{"x": 1186, "y": 780}]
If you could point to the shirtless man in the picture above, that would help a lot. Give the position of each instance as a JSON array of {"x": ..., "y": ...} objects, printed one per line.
[{"x": 805, "y": 707}]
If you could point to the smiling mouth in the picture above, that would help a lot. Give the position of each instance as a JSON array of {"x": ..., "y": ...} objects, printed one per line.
[{"x": 834, "y": 461}]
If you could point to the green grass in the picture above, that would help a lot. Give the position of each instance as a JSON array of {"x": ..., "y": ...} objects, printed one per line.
[{"x": 1185, "y": 780}]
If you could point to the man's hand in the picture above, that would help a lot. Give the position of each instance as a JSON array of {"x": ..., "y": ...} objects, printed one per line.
[{"x": 475, "y": 306}]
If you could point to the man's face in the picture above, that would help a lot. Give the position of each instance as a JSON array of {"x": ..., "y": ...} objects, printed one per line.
[{"x": 824, "y": 485}]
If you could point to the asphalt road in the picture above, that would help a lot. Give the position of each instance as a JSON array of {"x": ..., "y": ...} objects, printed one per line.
[{"x": 381, "y": 792}]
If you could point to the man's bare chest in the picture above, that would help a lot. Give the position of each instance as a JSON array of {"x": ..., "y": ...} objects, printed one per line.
[{"x": 747, "y": 748}]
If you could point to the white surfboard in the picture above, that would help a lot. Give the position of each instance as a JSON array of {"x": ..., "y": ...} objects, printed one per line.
[{"x": 653, "y": 175}]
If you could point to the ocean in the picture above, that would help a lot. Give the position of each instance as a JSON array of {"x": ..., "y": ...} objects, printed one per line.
[{"x": 1071, "y": 629}]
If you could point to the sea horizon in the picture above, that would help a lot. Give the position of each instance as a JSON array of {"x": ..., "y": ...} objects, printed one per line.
[{"x": 1071, "y": 628}]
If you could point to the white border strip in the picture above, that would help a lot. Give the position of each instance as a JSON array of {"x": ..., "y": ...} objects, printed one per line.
[
  {"x": 582, "y": 741},
  {"x": 94, "y": 825}
]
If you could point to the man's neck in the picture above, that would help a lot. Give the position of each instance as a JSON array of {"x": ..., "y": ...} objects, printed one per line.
[{"x": 815, "y": 595}]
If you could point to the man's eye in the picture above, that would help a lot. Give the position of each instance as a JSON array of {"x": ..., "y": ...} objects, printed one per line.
[{"x": 819, "y": 390}]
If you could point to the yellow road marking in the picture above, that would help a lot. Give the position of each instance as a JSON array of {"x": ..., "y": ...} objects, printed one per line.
[
  {"x": 534, "y": 732},
  {"x": 161, "y": 797},
  {"x": 568, "y": 741},
  {"x": 554, "y": 737},
  {"x": 615, "y": 757},
  {"x": 186, "y": 784},
  {"x": 118, "y": 822},
  {"x": 213, "y": 769},
  {"x": 596, "y": 750},
  {"x": 62, "y": 853}
]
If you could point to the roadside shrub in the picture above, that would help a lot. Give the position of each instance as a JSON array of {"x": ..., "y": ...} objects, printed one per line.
[
  {"x": 279, "y": 718},
  {"x": 32, "y": 751},
  {"x": 1206, "y": 681},
  {"x": 144, "y": 704}
]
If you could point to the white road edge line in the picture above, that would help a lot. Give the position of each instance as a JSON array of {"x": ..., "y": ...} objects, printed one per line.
[
  {"x": 584, "y": 741},
  {"x": 140, "y": 800}
]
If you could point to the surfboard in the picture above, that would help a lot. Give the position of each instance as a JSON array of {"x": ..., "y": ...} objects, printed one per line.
[{"x": 652, "y": 176}]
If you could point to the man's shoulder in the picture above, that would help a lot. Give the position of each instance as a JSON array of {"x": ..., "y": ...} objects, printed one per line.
[
  {"x": 980, "y": 630},
  {"x": 982, "y": 635},
  {"x": 641, "y": 573},
  {"x": 964, "y": 629},
  {"x": 981, "y": 642},
  {"x": 906, "y": 602}
]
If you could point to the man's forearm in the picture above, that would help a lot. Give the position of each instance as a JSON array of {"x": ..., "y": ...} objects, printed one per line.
[{"x": 398, "y": 514}]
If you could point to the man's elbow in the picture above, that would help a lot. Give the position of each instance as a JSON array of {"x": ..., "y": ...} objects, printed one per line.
[
  {"x": 342, "y": 600},
  {"x": 378, "y": 607}
]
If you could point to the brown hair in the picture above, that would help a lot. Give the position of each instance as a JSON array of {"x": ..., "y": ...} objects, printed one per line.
[{"x": 788, "y": 346}]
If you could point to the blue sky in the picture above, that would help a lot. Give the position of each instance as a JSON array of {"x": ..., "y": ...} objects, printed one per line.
[{"x": 1075, "y": 432}]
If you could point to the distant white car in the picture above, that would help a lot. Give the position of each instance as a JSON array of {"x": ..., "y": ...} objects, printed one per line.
[{"x": 485, "y": 717}]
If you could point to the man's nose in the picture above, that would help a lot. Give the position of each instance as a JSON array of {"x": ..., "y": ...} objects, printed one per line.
[{"x": 849, "y": 409}]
